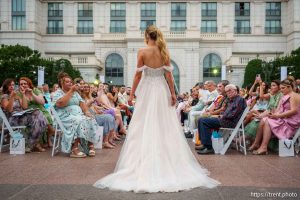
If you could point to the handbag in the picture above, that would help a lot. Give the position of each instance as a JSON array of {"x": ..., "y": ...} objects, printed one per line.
[
  {"x": 286, "y": 148},
  {"x": 99, "y": 136},
  {"x": 17, "y": 144},
  {"x": 217, "y": 142}
]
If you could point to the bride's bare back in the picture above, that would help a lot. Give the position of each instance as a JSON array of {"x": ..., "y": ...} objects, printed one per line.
[{"x": 151, "y": 57}]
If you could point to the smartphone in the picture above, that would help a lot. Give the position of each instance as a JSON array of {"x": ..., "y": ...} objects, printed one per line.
[
  {"x": 258, "y": 77},
  {"x": 16, "y": 87}
]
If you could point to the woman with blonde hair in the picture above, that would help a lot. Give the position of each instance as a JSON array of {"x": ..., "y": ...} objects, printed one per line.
[{"x": 155, "y": 156}]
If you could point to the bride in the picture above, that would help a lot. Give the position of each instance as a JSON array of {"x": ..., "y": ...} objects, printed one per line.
[{"x": 155, "y": 156}]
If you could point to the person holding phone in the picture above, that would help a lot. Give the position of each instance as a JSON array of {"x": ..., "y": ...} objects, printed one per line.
[
  {"x": 283, "y": 123},
  {"x": 36, "y": 100},
  {"x": 80, "y": 125},
  {"x": 34, "y": 120}
]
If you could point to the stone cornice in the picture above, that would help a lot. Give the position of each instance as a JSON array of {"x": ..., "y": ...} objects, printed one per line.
[{"x": 167, "y": 1}]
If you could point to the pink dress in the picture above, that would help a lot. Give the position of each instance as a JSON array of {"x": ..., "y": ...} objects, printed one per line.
[{"x": 285, "y": 128}]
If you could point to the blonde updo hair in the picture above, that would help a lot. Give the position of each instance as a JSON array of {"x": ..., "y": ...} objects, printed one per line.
[{"x": 155, "y": 34}]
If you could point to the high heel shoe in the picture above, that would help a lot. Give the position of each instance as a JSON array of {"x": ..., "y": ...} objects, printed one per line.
[{"x": 256, "y": 152}]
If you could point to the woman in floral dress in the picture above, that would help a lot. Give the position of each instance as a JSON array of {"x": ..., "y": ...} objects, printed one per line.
[{"x": 78, "y": 121}]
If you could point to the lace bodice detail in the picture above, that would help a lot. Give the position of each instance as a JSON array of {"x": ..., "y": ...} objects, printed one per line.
[{"x": 154, "y": 72}]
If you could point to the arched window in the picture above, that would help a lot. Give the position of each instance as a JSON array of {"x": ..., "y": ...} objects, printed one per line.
[
  {"x": 212, "y": 65},
  {"x": 114, "y": 69},
  {"x": 176, "y": 75}
]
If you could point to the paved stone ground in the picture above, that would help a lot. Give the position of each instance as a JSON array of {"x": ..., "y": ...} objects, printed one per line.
[{"x": 39, "y": 176}]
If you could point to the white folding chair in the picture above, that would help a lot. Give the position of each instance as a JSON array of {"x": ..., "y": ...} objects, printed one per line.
[
  {"x": 7, "y": 126},
  {"x": 59, "y": 129},
  {"x": 238, "y": 132}
]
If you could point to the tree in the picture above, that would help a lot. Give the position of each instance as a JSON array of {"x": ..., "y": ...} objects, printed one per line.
[
  {"x": 252, "y": 68},
  {"x": 271, "y": 70},
  {"x": 17, "y": 61}
]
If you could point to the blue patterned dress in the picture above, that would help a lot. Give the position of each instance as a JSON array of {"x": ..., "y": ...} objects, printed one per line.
[{"x": 77, "y": 125}]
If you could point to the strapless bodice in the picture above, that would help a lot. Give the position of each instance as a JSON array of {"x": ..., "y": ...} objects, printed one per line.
[{"x": 154, "y": 72}]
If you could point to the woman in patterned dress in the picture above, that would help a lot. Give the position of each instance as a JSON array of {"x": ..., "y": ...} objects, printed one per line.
[
  {"x": 33, "y": 120},
  {"x": 78, "y": 121}
]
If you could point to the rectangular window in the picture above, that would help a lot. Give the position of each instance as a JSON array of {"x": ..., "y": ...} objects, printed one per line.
[
  {"x": 18, "y": 15},
  {"x": 85, "y": 9},
  {"x": 18, "y": 5},
  {"x": 114, "y": 72},
  {"x": 209, "y": 26},
  {"x": 148, "y": 9},
  {"x": 178, "y": 25},
  {"x": 242, "y": 27},
  {"x": 18, "y": 23},
  {"x": 146, "y": 23},
  {"x": 85, "y": 27},
  {"x": 209, "y": 9},
  {"x": 85, "y": 18},
  {"x": 178, "y": 16},
  {"x": 118, "y": 26},
  {"x": 273, "y": 9},
  {"x": 117, "y": 17},
  {"x": 117, "y": 9},
  {"x": 178, "y": 9},
  {"x": 55, "y": 9},
  {"x": 273, "y": 27},
  {"x": 55, "y": 27},
  {"x": 273, "y": 18},
  {"x": 148, "y": 15},
  {"x": 242, "y": 9}
]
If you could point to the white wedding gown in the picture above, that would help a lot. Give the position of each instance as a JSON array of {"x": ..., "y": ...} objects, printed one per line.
[{"x": 155, "y": 156}]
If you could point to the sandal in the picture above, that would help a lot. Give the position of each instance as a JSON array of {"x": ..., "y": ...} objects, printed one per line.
[
  {"x": 92, "y": 152},
  {"x": 117, "y": 138},
  {"x": 260, "y": 152},
  {"x": 253, "y": 148},
  {"x": 38, "y": 148},
  {"x": 112, "y": 143},
  {"x": 123, "y": 131},
  {"x": 77, "y": 154},
  {"x": 107, "y": 145}
]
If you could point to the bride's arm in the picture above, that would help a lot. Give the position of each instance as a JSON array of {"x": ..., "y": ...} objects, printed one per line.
[
  {"x": 137, "y": 76},
  {"x": 170, "y": 80}
]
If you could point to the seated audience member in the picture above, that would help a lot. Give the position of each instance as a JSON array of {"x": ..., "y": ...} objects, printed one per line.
[
  {"x": 260, "y": 104},
  {"x": 204, "y": 102},
  {"x": 36, "y": 100},
  {"x": 54, "y": 89},
  {"x": 219, "y": 103},
  {"x": 103, "y": 100},
  {"x": 105, "y": 120},
  {"x": 234, "y": 110},
  {"x": 35, "y": 121},
  {"x": 79, "y": 123},
  {"x": 283, "y": 122},
  {"x": 185, "y": 100},
  {"x": 275, "y": 96},
  {"x": 123, "y": 103}
]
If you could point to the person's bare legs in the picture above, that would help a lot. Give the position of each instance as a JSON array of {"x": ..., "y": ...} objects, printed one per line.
[
  {"x": 111, "y": 138},
  {"x": 106, "y": 143},
  {"x": 267, "y": 133},
  {"x": 258, "y": 137},
  {"x": 50, "y": 132}
]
